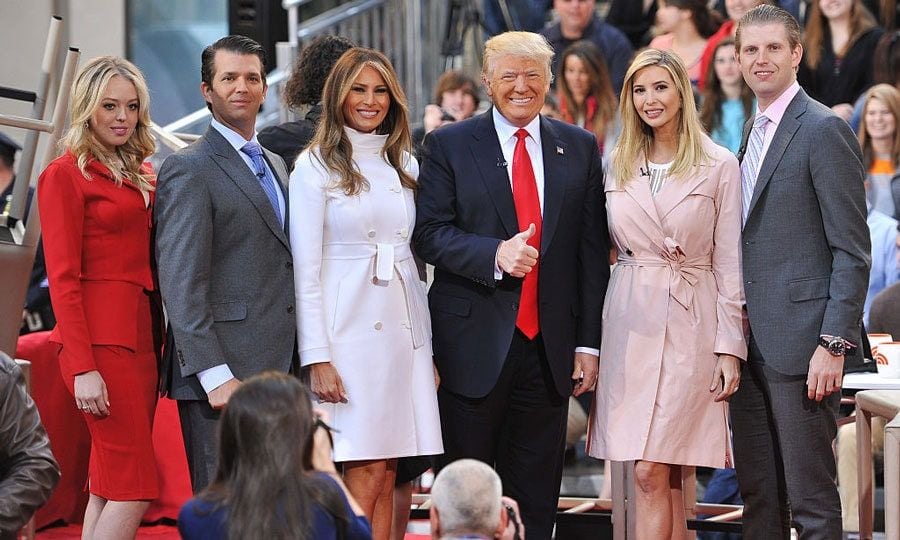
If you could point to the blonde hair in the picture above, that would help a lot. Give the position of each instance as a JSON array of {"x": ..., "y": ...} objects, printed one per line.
[
  {"x": 636, "y": 135},
  {"x": 335, "y": 151},
  {"x": 87, "y": 92},
  {"x": 521, "y": 44},
  {"x": 890, "y": 97}
]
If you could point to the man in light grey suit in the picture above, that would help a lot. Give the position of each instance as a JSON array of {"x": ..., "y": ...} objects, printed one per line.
[
  {"x": 224, "y": 261},
  {"x": 805, "y": 248}
]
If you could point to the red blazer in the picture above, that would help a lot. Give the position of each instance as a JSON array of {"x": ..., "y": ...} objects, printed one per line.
[{"x": 97, "y": 247}]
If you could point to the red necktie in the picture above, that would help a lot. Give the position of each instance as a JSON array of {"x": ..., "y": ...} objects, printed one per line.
[{"x": 528, "y": 211}]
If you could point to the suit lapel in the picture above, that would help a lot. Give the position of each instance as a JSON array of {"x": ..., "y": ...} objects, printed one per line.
[
  {"x": 783, "y": 135},
  {"x": 226, "y": 157},
  {"x": 554, "y": 181},
  {"x": 489, "y": 159},
  {"x": 638, "y": 188},
  {"x": 677, "y": 189}
]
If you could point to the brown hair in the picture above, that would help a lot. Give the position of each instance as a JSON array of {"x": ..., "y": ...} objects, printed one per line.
[
  {"x": 768, "y": 14},
  {"x": 453, "y": 80},
  {"x": 263, "y": 476},
  {"x": 334, "y": 150},
  {"x": 600, "y": 88},
  {"x": 890, "y": 96},
  {"x": 714, "y": 96},
  {"x": 861, "y": 21},
  {"x": 304, "y": 87},
  {"x": 705, "y": 20}
]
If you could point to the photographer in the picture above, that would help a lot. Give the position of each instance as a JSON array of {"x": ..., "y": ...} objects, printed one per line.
[
  {"x": 455, "y": 99},
  {"x": 467, "y": 502}
]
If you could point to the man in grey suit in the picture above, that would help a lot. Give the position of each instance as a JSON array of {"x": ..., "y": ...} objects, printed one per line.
[
  {"x": 223, "y": 254},
  {"x": 805, "y": 248}
]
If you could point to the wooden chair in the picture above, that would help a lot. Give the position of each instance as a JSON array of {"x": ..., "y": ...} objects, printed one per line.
[{"x": 886, "y": 404}]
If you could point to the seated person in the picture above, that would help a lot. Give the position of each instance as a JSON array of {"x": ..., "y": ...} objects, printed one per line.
[
  {"x": 578, "y": 20},
  {"x": 28, "y": 470},
  {"x": 275, "y": 473},
  {"x": 467, "y": 502}
]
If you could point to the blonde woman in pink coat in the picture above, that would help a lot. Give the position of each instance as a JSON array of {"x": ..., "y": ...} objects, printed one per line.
[{"x": 672, "y": 333}]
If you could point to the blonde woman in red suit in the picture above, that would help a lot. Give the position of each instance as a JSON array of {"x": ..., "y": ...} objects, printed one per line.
[{"x": 96, "y": 203}]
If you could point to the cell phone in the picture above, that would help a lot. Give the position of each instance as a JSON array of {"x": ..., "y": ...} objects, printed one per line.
[
  {"x": 511, "y": 514},
  {"x": 447, "y": 117}
]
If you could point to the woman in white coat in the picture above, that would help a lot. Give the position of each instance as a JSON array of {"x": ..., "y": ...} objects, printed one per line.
[{"x": 364, "y": 328}]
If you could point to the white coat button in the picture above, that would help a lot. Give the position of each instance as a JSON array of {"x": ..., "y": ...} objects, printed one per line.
[
  {"x": 395, "y": 189},
  {"x": 371, "y": 233},
  {"x": 405, "y": 324},
  {"x": 404, "y": 232},
  {"x": 378, "y": 325}
]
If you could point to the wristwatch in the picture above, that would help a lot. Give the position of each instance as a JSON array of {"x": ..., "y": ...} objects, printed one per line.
[{"x": 836, "y": 345}]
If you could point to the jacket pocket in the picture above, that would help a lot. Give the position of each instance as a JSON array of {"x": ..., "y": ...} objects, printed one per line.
[
  {"x": 451, "y": 304},
  {"x": 801, "y": 290},
  {"x": 235, "y": 310}
]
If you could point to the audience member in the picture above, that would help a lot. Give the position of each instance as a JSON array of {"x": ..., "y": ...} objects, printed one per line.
[
  {"x": 884, "y": 272},
  {"x": 506, "y": 351},
  {"x": 885, "y": 70},
  {"x": 791, "y": 6},
  {"x": 727, "y": 100},
  {"x": 586, "y": 95},
  {"x": 223, "y": 254},
  {"x": 884, "y": 317},
  {"x": 734, "y": 9},
  {"x": 275, "y": 477},
  {"x": 8, "y": 149},
  {"x": 96, "y": 201},
  {"x": 362, "y": 312},
  {"x": 683, "y": 27},
  {"x": 505, "y": 15},
  {"x": 467, "y": 502},
  {"x": 661, "y": 400},
  {"x": 303, "y": 93},
  {"x": 578, "y": 20},
  {"x": 28, "y": 470},
  {"x": 455, "y": 99},
  {"x": 805, "y": 261},
  {"x": 838, "y": 47},
  {"x": 633, "y": 17},
  {"x": 38, "y": 313},
  {"x": 885, "y": 11},
  {"x": 879, "y": 138}
]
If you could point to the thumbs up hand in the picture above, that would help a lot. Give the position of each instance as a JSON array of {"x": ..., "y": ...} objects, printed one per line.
[{"x": 515, "y": 256}]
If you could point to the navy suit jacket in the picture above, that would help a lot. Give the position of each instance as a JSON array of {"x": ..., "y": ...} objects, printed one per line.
[{"x": 465, "y": 209}]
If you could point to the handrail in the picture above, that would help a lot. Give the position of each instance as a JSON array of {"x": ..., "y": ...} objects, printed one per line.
[{"x": 335, "y": 16}]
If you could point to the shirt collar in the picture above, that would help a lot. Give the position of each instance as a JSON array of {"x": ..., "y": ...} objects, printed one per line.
[
  {"x": 775, "y": 111},
  {"x": 235, "y": 139},
  {"x": 506, "y": 131}
]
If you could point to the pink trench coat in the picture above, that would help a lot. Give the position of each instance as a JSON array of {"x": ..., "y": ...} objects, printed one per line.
[{"x": 674, "y": 301}]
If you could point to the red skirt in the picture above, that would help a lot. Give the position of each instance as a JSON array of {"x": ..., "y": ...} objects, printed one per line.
[{"x": 122, "y": 465}]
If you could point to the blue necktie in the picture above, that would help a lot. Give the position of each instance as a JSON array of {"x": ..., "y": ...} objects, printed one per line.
[
  {"x": 264, "y": 176},
  {"x": 751, "y": 162}
]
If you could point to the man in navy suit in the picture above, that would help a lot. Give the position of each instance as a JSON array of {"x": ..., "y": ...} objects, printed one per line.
[{"x": 510, "y": 211}]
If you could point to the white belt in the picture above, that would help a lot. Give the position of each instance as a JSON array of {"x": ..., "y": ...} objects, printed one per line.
[{"x": 389, "y": 257}]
